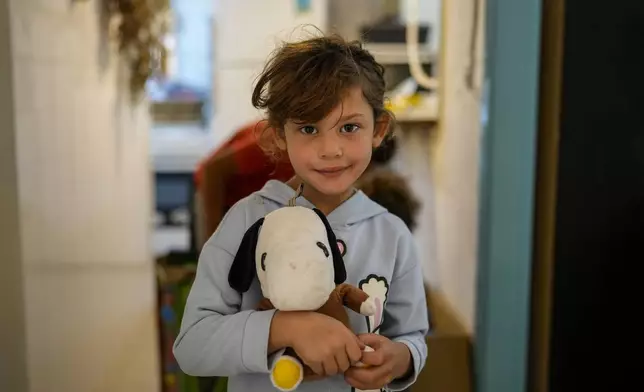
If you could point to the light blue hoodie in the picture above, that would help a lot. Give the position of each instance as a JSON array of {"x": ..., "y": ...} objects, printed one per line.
[{"x": 221, "y": 333}]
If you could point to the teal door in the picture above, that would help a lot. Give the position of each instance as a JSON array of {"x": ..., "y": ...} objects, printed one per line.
[{"x": 507, "y": 186}]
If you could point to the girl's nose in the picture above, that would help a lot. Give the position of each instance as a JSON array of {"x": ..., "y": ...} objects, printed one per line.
[{"x": 330, "y": 145}]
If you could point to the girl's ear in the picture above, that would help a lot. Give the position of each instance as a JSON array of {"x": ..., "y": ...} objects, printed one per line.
[
  {"x": 340, "y": 272},
  {"x": 243, "y": 270},
  {"x": 381, "y": 129}
]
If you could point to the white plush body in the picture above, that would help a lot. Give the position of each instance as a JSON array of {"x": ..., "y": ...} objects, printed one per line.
[{"x": 298, "y": 275}]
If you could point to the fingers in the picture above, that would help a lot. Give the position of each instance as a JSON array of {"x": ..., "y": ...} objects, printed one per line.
[
  {"x": 317, "y": 368},
  {"x": 354, "y": 352},
  {"x": 310, "y": 375},
  {"x": 343, "y": 362},
  {"x": 372, "y": 340},
  {"x": 367, "y": 386},
  {"x": 360, "y": 343},
  {"x": 367, "y": 375},
  {"x": 330, "y": 366},
  {"x": 368, "y": 378},
  {"x": 373, "y": 358}
]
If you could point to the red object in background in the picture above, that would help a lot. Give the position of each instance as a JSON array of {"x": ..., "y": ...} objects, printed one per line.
[{"x": 253, "y": 168}]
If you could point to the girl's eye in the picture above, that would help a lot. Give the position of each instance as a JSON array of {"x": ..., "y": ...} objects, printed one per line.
[
  {"x": 350, "y": 128},
  {"x": 308, "y": 130}
]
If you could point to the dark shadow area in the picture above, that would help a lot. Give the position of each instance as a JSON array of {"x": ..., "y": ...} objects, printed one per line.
[{"x": 600, "y": 200}]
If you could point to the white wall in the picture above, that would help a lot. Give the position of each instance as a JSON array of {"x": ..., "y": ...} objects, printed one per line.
[
  {"x": 84, "y": 198},
  {"x": 346, "y": 17},
  {"x": 13, "y": 341},
  {"x": 194, "y": 42},
  {"x": 246, "y": 32},
  {"x": 455, "y": 162},
  {"x": 414, "y": 163}
]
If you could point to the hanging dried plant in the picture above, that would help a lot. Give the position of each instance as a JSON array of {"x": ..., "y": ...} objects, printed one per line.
[{"x": 140, "y": 27}]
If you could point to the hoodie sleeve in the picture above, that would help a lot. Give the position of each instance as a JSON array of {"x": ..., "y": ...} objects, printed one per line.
[
  {"x": 216, "y": 338},
  {"x": 406, "y": 318}
]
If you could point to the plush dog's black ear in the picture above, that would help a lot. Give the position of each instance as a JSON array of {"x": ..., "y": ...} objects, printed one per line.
[
  {"x": 242, "y": 272},
  {"x": 338, "y": 263}
]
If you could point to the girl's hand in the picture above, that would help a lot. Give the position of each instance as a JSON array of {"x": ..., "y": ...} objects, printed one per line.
[
  {"x": 323, "y": 343},
  {"x": 389, "y": 361}
]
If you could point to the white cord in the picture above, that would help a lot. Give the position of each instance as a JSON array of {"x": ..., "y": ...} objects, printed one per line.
[
  {"x": 413, "y": 55},
  {"x": 470, "y": 76}
]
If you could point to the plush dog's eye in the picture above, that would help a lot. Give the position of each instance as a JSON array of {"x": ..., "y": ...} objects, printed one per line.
[
  {"x": 324, "y": 249},
  {"x": 264, "y": 261}
]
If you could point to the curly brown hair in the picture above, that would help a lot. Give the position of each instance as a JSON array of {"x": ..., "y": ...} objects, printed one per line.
[
  {"x": 305, "y": 80},
  {"x": 393, "y": 192}
]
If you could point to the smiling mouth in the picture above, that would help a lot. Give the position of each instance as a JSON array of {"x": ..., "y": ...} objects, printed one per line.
[{"x": 332, "y": 170}]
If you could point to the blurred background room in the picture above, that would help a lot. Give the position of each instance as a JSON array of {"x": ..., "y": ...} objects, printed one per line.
[{"x": 125, "y": 134}]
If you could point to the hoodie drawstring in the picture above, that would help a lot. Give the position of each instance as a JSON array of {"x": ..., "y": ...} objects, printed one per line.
[{"x": 300, "y": 189}]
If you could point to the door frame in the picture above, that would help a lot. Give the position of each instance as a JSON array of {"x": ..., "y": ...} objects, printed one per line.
[{"x": 508, "y": 165}]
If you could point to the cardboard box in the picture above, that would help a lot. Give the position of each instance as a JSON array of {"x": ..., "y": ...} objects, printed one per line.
[{"x": 449, "y": 351}]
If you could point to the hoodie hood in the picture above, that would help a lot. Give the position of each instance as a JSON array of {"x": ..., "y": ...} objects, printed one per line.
[{"x": 357, "y": 208}]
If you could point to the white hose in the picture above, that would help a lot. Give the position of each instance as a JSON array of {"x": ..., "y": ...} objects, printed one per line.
[{"x": 413, "y": 55}]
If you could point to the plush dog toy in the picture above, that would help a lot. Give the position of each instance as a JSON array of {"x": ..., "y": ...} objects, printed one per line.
[{"x": 298, "y": 262}]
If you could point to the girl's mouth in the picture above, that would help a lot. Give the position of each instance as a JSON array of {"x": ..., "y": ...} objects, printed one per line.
[{"x": 332, "y": 172}]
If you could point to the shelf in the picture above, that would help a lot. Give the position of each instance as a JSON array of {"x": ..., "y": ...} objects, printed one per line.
[
  {"x": 392, "y": 54},
  {"x": 425, "y": 113}
]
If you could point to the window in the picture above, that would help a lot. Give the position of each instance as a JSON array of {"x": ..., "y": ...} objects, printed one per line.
[{"x": 183, "y": 94}]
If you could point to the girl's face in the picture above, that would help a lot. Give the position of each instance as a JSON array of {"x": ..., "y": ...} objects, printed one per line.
[{"x": 332, "y": 154}]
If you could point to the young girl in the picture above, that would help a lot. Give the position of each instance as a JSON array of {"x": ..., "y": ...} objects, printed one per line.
[{"x": 324, "y": 100}]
